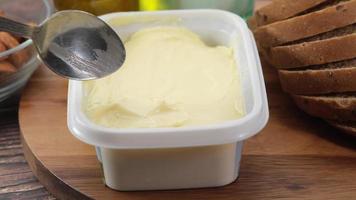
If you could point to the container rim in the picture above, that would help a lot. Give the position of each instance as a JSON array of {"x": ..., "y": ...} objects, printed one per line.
[
  {"x": 78, "y": 123},
  {"x": 27, "y": 42}
]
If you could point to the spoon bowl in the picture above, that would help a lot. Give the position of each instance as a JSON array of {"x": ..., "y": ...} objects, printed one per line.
[{"x": 74, "y": 44}]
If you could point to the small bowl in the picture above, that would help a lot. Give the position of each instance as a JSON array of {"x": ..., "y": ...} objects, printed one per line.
[{"x": 25, "y": 11}]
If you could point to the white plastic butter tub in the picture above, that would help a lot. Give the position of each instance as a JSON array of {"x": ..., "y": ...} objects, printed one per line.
[{"x": 187, "y": 157}]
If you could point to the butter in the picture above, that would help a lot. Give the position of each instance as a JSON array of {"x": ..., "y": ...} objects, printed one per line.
[{"x": 170, "y": 78}]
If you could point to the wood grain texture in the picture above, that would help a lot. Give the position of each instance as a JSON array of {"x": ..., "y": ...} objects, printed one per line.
[
  {"x": 16, "y": 179},
  {"x": 294, "y": 157}
]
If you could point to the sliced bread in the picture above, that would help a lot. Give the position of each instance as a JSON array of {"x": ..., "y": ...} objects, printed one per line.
[
  {"x": 283, "y": 9},
  {"x": 313, "y": 53},
  {"x": 349, "y": 128},
  {"x": 296, "y": 28},
  {"x": 330, "y": 78},
  {"x": 336, "y": 107},
  {"x": 313, "y": 45}
]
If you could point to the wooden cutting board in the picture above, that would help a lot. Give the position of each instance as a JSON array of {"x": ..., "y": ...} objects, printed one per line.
[{"x": 294, "y": 157}]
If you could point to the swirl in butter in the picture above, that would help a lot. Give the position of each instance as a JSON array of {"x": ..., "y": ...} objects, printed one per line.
[{"x": 170, "y": 78}]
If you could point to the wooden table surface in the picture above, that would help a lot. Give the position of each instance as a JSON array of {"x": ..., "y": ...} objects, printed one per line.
[{"x": 16, "y": 179}]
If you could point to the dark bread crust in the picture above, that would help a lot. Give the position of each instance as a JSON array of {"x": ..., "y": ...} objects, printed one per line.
[
  {"x": 313, "y": 53},
  {"x": 349, "y": 128},
  {"x": 339, "y": 108},
  {"x": 297, "y": 28},
  {"x": 322, "y": 81},
  {"x": 283, "y": 9}
]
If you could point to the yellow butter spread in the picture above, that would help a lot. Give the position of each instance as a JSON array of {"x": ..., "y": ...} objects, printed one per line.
[{"x": 170, "y": 78}]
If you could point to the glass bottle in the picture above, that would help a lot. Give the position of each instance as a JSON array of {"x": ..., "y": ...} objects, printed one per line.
[
  {"x": 97, "y": 7},
  {"x": 244, "y": 8}
]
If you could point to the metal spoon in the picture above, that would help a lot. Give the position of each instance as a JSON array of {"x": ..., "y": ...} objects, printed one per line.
[{"x": 74, "y": 44}]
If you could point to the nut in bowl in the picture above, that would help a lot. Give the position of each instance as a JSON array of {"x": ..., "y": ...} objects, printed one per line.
[
  {"x": 18, "y": 58},
  {"x": 11, "y": 63},
  {"x": 175, "y": 156}
]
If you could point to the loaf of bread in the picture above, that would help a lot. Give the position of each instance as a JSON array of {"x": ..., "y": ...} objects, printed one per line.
[
  {"x": 307, "y": 25},
  {"x": 312, "y": 44}
]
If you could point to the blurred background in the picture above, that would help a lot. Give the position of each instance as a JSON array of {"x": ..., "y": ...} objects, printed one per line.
[{"x": 243, "y": 8}]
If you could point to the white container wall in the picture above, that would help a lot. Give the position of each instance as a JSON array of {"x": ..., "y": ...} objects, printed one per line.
[{"x": 187, "y": 157}]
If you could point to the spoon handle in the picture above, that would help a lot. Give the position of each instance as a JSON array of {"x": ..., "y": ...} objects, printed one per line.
[{"x": 16, "y": 28}]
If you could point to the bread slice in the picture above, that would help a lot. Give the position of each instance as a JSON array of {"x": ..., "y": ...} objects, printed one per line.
[
  {"x": 330, "y": 78},
  {"x": 283, "y": 9},
  {"x": 308, "y": 25},
  {"x": 347, "y": 30},
  {"x": 321, "y": 6},
  {"x": 349, "y": 128},
  {"x": 313, "y": 53},
  {"x": 336, "y": 107}
]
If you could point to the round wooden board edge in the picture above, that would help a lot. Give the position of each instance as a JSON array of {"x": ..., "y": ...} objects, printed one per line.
[{"x": 52, "y": 183}]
